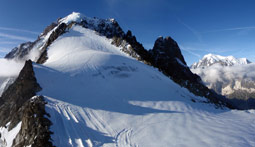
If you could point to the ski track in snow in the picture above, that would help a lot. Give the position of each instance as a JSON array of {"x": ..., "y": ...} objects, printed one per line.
[
  {"x": 123, "y": 138},
  {"x": 98, "y": 96},
  {"x": 192, "y": 127}
]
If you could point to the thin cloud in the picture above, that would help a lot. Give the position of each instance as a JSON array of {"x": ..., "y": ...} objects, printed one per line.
[
  {"x": 18, "y": 30},
  {"x": 8, "y": 42},
  {"x": 190, "y": 51},
  {"x": 214, "y": 50},
  {"x": 231, "y": 29},
  {"x": 15, "y": 37},
  {"x": 192, "y": 30}
]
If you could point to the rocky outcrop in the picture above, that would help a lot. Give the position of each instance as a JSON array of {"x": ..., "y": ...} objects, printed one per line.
[
  {"x": 16, "y": 105},
  {"x": 20, "y": 51},
  {"x": 49, "y": 28},
  {"x": 132, "y": 47},
  {"x": 166, "y": 49},
  {"x": 108, "y": 28},
  {"x": 166, "y": 56},
  {"x": 17, "y": 94},
  {"x": 35, "y": 128},
  {"x": 61, "y": 29}
]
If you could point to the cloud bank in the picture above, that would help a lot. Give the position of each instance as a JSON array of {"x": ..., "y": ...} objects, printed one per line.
[
  {"x": 10, "y": 68},
  {"x": 218, "y": 73},
  {"x": 234, "y": 81}
]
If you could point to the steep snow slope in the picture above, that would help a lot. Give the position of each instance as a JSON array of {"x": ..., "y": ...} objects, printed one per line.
[
  {"x": 211, "y": 59},
  {"x": 99, "y": 96}
]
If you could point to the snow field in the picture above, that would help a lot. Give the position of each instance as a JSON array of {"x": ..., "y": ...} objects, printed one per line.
[{"x": 98, "y": 96}]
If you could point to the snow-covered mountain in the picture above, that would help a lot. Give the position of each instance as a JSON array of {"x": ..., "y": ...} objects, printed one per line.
[
  {"x": 211, "y": 59},
  {"x": 91, "y": 84},
  {"x": 229, "y": 76},
  {"x": 234, "y": 82}
]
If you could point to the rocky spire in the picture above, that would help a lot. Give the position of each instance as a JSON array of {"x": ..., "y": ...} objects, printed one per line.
[
  {"x": 167, "y": 48},
  {"x": 166, "y": 56},
  {"x": 19, "y": 103}
]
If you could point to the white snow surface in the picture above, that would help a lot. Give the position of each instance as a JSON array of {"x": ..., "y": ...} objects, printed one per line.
[
  {"x": 78, "y": 17},
  {"x": 74, "y": 17},
  {"x": 211, "y": 59},
  {"x": 7, "y": 137},
  {"x": 99, "y": 96}
]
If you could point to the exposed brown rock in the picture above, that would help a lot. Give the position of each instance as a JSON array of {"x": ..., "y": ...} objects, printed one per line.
[
  {"x": 17, "y": 94},
  {"x": 16, "y": 106},
  {"x": 35, "y": 128},
  {"x": 61, "y": 29}
]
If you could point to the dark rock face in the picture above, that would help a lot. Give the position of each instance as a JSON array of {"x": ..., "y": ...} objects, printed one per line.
[
  {"x": 61, "y": 29},
  {"x": 132, "y": 47},
  {"x": 16, "y": 105},
  {"x": 137, "y": 47},
  {"x": 35, "y": 126},
  {"x": 17, "y": 94},
  {"x": 166, "y": 48},
  {"x": 20, "y": 51},
  {"x": 104, "y": 27},
  {"x": 49, "y": 28},
  {"x": 166, "y": 56}
]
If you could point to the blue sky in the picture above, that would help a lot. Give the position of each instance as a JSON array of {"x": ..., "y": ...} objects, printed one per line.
[{"x": 225, "y": 27}]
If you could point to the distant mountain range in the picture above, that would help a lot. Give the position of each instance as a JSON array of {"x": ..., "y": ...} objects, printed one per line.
[
  {"x": 211, "y": 59},
  {"x": 229, "y": 76}
]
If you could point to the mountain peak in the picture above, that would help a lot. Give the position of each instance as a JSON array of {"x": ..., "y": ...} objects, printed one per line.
[
  {"x": 168, "y": 47},
  {"x": 79, "y": 17},
  {"x": 73, "y": 17},
  {"x": 105, "y": 27},
  {"x": 211, "y": 59}
]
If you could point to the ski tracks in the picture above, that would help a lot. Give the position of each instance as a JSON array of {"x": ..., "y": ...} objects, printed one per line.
[
  {"x": 76, "y": 117},
  {"x": 123, "y": 138}
]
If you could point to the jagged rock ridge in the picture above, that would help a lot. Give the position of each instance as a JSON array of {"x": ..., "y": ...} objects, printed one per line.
[
  {"x": 20, "y": 51},
  {"x": 17, "y": 106},
  {"x": 165, "y": 55}
]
